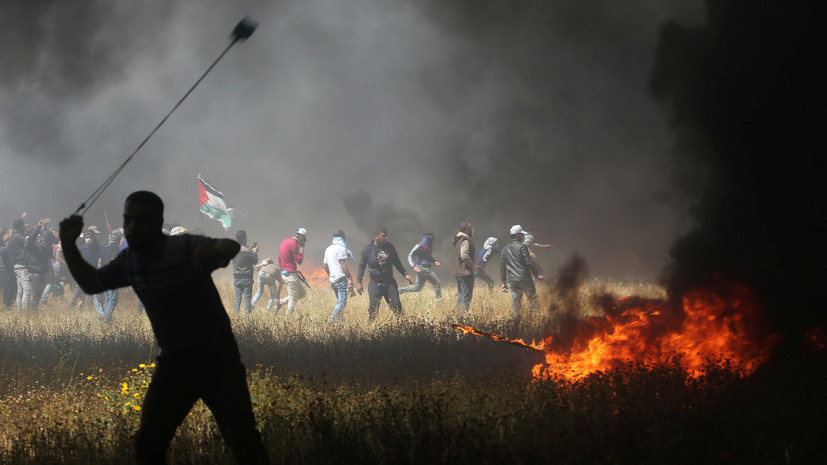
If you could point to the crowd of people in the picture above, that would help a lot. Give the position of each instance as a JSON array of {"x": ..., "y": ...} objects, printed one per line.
[
  {"x": 518, "y": 271},
  {"x": 33, "y": 268},
  {"x": 169, "y": 269}
]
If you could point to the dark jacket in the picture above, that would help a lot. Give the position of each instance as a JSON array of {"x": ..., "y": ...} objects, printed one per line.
[
  {"x": 421, "y": 253},
  {"x": 17, "y": 253},
  {"x": 91, "y": 253},
  {"x": 516, "y": 263},
  {"x": 459, "y": 266},
  {"x": 244, "y": 263},
  {"x": 379, "y": 260},
  {"x": 39, "y": 259},
  {"x": 4, "y": 256}
]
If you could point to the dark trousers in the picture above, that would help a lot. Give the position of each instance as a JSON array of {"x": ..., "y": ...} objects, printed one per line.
[
  {"x": 216, "y": 377},
  {"x": 388, "y": 290},
  {"x": 465, "y": 290},
  {"x": 481, "y": 274},
  {"x": 8, "y": 286},
  {"x": 38, "y": 281}
]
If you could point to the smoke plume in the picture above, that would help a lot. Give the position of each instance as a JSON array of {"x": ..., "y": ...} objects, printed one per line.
[{"x": 745, "y": 94}]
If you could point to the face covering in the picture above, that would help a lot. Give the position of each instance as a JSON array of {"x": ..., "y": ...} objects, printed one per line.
[{"x": 88, "y": 240}]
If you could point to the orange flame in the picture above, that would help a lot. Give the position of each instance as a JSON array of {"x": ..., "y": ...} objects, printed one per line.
[
  {"x": 315, "y": 275},
  {"x": 498, "y": 338},
  {"x": 712, "y": 327}
]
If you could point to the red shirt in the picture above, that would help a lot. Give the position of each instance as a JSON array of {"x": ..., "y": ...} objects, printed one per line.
[{"x": 289, "y": 256}]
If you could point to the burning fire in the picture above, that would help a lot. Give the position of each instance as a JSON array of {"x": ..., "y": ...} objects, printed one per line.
[
  {"x": 713, "y": 326},
  {"x": 314, "y": 275}
]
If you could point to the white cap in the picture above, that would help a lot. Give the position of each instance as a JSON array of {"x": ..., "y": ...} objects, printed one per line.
[
  {"x": 302, "y": 231},
  {"x": 517, "y": 229},
  {"x": 177, "y": 230}
]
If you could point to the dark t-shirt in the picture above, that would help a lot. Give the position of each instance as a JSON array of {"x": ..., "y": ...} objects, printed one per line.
[
  {"x": 182, "y": 303},
  {"x": 379, "y": 261}
]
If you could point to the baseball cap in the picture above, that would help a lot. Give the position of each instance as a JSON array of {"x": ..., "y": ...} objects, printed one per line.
[
  {"x": 302, "y": 232},
  {"x": 517, "y": 229},
  {"x": 94, "y": 229}
]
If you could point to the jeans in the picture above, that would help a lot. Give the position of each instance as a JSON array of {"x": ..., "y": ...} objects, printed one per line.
[
  {"x": 388, "y": 290},
  {"x": 295, "y": 291},
  {"x": 268, "y": 280},
  {"x": 24, "y": 287},
  {"x": 219, "y": 379},
  {"x": 50, "y": 287},
  {"x": 481, "y": 274},
  {"x": 54, "y": 285},
  {"x": 518, "y": 288},
  {"x": 243, "y": 289},
  {"x": 465, "y": 290},
  {"x": 110, "y": 301},
  {"x": 425, "y": 274},
  {"x": 340, "y": 290}
]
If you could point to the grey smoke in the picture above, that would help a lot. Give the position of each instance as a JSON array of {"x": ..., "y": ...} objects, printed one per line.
[{"x": 500, "y": 113}]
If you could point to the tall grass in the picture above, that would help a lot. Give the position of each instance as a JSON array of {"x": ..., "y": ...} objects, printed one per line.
[{"x": 400, "y": 390}]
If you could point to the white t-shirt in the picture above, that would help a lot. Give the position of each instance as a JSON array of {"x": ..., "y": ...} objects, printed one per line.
[{"x": 332, "y": 255}]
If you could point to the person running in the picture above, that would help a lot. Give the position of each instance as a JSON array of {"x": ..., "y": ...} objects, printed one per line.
[
  {"x": 421, "y": 261},
  {"x": 199, "y": 356},
  {"x": 291, "y": 255},
  {"x": 483, "y": 257}
]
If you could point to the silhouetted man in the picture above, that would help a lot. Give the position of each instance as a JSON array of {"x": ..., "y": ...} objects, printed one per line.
[{"x": 199, "y": 356}]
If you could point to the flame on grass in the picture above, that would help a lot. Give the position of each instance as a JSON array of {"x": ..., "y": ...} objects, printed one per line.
[
  {"x": 711, "y": 326},
  {"x": 498, "y": 338},
  {"x": 315, "y": 275}
]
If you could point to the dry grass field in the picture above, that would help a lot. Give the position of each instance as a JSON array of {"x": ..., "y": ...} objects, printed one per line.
[{"x": 400, "y": 390}]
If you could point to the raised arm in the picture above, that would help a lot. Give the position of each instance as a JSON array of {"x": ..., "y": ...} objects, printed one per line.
[{"x": 85, "y": 274}]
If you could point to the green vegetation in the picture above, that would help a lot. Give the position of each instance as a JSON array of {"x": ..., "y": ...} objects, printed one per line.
[{"x": 410, "y": 390}]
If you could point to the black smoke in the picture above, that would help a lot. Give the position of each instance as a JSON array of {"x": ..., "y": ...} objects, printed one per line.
[
  {"x": 54, "y": 55},
  {"x": 745, "y": 93},
  {"x": 404, "y": 225}
]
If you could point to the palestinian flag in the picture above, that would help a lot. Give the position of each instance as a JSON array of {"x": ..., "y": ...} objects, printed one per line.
[{"x": 213, "y": 203}]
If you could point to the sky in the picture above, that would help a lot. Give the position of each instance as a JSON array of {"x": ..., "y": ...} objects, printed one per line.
[{"x": 407, "y": 114}]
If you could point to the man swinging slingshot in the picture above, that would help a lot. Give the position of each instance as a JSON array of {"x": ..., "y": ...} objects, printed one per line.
[{"x": 199, "y": 356}]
